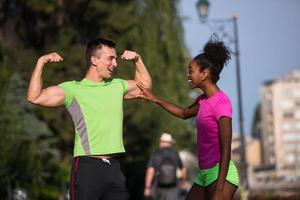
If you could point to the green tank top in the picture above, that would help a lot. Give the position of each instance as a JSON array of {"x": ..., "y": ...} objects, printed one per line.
[{"x": 97, "y": 113}]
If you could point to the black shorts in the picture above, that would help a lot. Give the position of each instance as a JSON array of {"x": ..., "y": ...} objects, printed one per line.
[{"x": 97, "y": 179}]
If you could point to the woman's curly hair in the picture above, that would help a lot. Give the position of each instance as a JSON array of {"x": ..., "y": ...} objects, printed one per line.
[{"x": 215, "y": 55}]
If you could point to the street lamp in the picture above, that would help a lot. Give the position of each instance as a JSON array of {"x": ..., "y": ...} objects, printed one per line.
[{"x": 202, "y": 7}]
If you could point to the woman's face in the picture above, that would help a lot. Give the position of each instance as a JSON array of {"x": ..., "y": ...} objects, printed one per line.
[{"x": 195, "y": 76}]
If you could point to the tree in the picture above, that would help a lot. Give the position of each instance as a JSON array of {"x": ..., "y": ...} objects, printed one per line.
[{"x": 151, "y": 27}]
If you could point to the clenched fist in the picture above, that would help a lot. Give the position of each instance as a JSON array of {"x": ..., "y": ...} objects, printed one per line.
[
  {"x": 130, "y": 55},
  {"x": 51, "y": 57}
]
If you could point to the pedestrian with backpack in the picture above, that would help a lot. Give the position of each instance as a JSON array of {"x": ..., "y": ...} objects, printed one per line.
[{"x": 161, "y": 181}]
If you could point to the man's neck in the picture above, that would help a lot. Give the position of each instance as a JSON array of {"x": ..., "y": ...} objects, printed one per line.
[{"x": 92, "y": 75}]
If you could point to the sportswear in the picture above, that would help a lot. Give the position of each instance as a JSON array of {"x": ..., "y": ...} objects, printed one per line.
[
  {"x": 206, "y": 177},
  {"x": 94, "y": 179},
  {"x": 97, "y": 112},
  {"x": 210, "y": 111}
]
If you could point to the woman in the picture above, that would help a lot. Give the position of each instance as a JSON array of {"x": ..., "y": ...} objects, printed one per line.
[{"x": 217, "y": 177}]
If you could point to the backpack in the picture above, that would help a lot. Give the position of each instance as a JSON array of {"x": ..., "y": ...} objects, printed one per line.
[{"x": 167, "y": 172}]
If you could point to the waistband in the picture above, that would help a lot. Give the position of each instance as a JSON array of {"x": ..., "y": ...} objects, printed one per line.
[
  {"x": 216, "y": 166},
  {"x": 95, "y": 160}
]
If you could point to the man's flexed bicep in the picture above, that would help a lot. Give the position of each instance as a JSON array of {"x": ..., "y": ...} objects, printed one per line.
[
  {"x": 141, "y": 74},
  {"x": 50, "y": 97},
  {"x": 133, "y": 90}
]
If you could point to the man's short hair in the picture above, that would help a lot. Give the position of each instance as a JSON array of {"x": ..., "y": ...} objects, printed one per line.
[{"x": 94, "y": 45}]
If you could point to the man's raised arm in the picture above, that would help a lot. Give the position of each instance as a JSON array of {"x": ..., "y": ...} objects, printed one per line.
[
  {"x": 50, "y": 97},
  {"x": 141, "y": 74}
]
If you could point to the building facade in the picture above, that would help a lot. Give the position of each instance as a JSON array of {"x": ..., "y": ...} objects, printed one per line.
[{"x": 280, "y": 122}]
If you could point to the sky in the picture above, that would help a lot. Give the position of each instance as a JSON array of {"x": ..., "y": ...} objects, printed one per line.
[{"x": 269, "y": 42}]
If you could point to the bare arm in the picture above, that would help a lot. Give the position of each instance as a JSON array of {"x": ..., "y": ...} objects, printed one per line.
[
  {"x": 148, "y": 181},
  {"x": 183, "y": 173},
  {"x": 183, "y": 113},
  {"x": 225, "y": 129},
  {"x": 50, "y": 97},
  {"x": 141, "y": 74},
  {"x": 183, "y": 178}
]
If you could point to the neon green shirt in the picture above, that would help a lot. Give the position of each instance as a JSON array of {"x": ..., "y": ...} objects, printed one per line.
[{"x": 97, "y": 113}]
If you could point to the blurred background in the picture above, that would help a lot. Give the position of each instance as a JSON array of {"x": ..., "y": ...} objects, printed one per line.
[{"x": 262, "y": 79}]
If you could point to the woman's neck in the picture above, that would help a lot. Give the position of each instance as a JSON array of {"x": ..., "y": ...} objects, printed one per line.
[{"x": 210, "y": 89}]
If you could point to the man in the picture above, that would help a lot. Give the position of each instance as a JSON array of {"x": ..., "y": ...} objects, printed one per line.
[
  {"x": 161, "y": 171},
  {"x": 96, "y": 107}
]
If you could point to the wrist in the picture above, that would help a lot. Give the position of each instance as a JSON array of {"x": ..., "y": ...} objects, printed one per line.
[
  {"x": 147, "y": 186},
  {"x": 41, "y": 62},
  {"x": 138, "y": 59},
  {"x": 156, "y": 100}
]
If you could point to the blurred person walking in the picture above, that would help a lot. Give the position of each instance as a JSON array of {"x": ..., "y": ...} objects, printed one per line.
[
  {"x": 96, "y": 106},
  {"x": 161, "y": 181},
  {"x": 217, "y": 177}
]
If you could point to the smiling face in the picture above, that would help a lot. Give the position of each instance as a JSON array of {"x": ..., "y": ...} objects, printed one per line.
[
  {"x": 105, "y": 61},
  {"x": 196, "y": 76}
]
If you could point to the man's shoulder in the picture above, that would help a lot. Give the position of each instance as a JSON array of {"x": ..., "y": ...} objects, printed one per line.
[
  {"x": 68, "y": 83},
  {"x": 115, "y": 81}
]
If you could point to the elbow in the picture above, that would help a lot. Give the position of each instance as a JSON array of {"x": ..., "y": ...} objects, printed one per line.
[
  {"x": 184, "y": 115},
  {"x": 148, "y": 85},
  {"x": 147, "y": 82},
  {"x": 31, "y": 100}
]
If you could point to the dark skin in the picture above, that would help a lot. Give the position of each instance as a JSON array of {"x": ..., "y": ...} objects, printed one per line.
[{"x": 199, "y": 78}]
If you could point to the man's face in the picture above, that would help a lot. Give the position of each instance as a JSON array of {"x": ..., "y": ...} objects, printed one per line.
[
  {"x": 163, "y": 143},
  {"x": 105, "y": 61}
]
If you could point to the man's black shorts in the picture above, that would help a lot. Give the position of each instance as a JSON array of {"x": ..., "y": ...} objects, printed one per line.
[{"x": 97, "y": 179}]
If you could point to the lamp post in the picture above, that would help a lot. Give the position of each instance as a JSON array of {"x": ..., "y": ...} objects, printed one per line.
[{"x": 202, "y": 7}]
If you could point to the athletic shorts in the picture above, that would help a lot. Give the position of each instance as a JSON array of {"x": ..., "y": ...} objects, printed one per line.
[
  {"x": 95, "y": 178},
  {"x": 206, "y": 177}
]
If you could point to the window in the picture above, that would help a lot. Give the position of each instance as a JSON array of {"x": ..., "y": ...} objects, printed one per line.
[
  {"x": 297, "y": 92},
  {"x": 290, "y": 126},
  {"x": 287, "y": 93},
  {"x": 297, "y": 114},
  {"x": 288, "y": 115},
  {"x": 291, "y": 147},
  {"x": 287, "y": 104},
  {"x": 286, "y": 126},
  {"x": 297, "y": 126},
  {"x": 291, "y": 137},
  {"x": 290, "y": 158}
]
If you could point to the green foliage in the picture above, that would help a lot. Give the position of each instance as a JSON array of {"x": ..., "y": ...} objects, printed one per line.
[
  {"x": 25, "y": 146},
  {"x": 44, "y": 137},
  {"x": 8, "y": 132}
]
